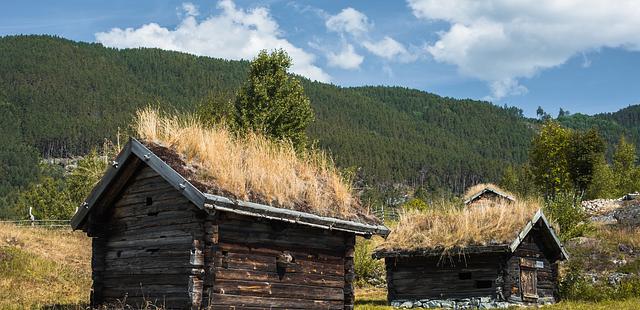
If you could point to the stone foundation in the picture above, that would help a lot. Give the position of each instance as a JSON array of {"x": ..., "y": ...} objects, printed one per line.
[{"x": 464, "y": 303}]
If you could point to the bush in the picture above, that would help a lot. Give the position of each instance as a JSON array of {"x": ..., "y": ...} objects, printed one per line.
[
  {"x": 568, "y": 213},
  {"x": 369, "y": 271},
  {"x": 577, "y": 286}
]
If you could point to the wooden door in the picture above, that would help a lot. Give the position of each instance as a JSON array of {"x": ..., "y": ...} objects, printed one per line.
[{"x": 528, "y": 279}]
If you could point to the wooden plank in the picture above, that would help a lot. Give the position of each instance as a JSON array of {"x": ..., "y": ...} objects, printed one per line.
[
  {"x": 274, "y": 250},
  {"x": 278, "y": 290},
  {"x": 263, "y": 276},
  {"x": 266, "y": 302}
]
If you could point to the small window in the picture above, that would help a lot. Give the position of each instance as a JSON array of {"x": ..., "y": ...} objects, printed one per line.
[
  {"x": 464, "y": 276},
  {"x": 149, "y": 201},
  {"x": 484, "y": 284}
]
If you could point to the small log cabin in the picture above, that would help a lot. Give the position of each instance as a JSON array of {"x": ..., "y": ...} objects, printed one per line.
[
  {"x": 158, "y": 238},
  {"x": 524, "y": 271},
  {"x": 488, "y": 195}
]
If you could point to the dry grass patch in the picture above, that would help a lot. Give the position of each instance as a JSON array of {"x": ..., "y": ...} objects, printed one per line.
[
  {"x": 254, "y": 168},
  {"x": 42, "y": 267},
  {"x": 449, "y": 227}
]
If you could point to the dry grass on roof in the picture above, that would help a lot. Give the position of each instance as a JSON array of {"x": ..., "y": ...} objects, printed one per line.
[
  {"x": 253, "y": 168},
  {"x": 479, "y": 187},
  {"x": 449, "y": 227}
]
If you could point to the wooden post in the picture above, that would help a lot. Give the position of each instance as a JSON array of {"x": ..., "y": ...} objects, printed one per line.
[
  {"x": 389, "y": 265},
  {"x": 349, "y": 273},
  {"x": 97, "y": 267},
  {"x": 210, "y": 247}
]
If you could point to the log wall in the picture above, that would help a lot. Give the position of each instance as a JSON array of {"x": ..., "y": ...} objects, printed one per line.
[
  {"x": 443, "y": 277},
  {"x": 260, "y": 263},
  {"x": 150, "y": 248}
]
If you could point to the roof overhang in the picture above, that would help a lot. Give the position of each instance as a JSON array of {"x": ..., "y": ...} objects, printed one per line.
[
  {"x": 498, "y": 248},
  {"x": 547, "y": 229},
  {"x": 208, "y": 202}
]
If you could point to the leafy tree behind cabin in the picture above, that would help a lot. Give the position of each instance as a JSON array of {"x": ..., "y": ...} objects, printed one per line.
[
  {"x": 273, "y": 102},
  {"x": 585, "y": 151},
  {"x": 550, "y": 159}
]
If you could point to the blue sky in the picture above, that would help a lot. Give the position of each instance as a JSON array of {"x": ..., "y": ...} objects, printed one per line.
[{"x": 583, "y": 56}]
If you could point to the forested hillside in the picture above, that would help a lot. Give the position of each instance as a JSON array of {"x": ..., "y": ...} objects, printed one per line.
[
  {"x": 60, "y": 98},
  {"x": 610, "y": 125}
]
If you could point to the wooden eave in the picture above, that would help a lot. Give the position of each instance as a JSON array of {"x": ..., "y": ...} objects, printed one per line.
[
  {"x": 496, "y": 248},
  {"x": 548, "y": 231},
  {"x": 136, "y": 151},
  {"x": 538, "y": 219}
]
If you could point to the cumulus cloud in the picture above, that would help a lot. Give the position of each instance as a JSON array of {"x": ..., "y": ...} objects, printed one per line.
[
  {"x": 190, "y": 9},
  {"x": 390, "y": 49},
  {"x": 356, "y": 24},
  {"x": 350, "y": 21},
  {"x": 345, "y": 59},
  {"x": 233, "y": 34},
  {"x": 500, "y": 41}
]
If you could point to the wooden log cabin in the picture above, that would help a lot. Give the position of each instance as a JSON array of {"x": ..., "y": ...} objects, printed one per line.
[
  {"x": 523, "y": 271},
  {"x": 488, "y": 195},
  {"x": 159, "y": 238}
]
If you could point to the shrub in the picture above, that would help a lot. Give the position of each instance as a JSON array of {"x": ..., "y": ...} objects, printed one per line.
[
  {"x": 577, "y": 286},
  {"x": 369, "y": 271},
  {"x": 568, "y": 213}
]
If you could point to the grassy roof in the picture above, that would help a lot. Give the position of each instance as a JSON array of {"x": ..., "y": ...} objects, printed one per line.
[
  {"x": 473, "y": 190},
  {"x": 251, "y": 168},
  {"x": 450, "y": 227}
]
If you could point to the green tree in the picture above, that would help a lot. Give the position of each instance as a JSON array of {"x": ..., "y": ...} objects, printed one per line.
[
  {"x": 49, "y": 198},
  {"x": 85, "y": 176},
  {"x": 603, "y": 184},
  {"x": 273, "y": 102},
  {"x": 519, "y": 180},
  {"x": 540, "y": 112},
  {"x": 624, "y": 167},
  {"x": 416, "y": 204},
  {"x": 585, "y": 150},
  {"x": 549, "y": 160},
  {"x": 216, "y": 108}
]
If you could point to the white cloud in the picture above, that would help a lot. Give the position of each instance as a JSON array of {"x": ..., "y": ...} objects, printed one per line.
[
  {"x": 190, "y": 9},
  {"x": 506, "y": 87},
  {"x": 500, "y": 41},
  {"x": 350, "y": 21},
  {"x": 355, "y": 23},
  {"x": 390, "y": 49},
  {"x": 233, "y": 34},
  {"x": 345, "y": 59}
]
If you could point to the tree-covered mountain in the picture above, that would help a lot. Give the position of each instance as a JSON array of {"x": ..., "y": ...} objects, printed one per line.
[
  {"x": 61, "y": 98},
  {"x": 610, "y": 125}
]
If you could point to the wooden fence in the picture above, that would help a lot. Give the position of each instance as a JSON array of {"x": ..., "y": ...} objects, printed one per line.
[{"x": 40, "y": 223}]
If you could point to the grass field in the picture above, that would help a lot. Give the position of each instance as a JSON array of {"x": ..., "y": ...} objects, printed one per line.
[{"x": 42, "y": 267}]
